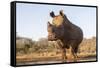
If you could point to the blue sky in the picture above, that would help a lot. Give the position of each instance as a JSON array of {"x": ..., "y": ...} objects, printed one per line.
[{"x": 31, "y": 20}]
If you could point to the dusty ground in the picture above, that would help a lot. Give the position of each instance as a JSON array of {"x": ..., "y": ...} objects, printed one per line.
[{"x": 52, "y": 57}]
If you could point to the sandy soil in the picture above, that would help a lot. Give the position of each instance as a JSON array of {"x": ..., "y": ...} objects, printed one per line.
[{"x": 52, "y": 57}]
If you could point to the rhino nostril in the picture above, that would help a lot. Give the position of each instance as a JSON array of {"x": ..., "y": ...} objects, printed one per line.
[{"x": 55, "y": 37}]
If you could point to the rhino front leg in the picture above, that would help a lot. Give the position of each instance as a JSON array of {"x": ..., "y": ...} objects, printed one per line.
[{"x": 64, "y": 57}]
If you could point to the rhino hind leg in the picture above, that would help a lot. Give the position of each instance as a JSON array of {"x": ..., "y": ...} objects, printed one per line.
[{"x": 74, "y": 53}]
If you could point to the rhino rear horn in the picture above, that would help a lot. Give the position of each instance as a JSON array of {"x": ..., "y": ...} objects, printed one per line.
[{"x": 48, "y": 23}]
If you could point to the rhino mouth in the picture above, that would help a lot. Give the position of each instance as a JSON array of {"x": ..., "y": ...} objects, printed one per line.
[{"x": 52, "y": 39}]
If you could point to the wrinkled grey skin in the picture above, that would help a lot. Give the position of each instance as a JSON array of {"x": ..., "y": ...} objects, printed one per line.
[{"x": 66, "y": 34}]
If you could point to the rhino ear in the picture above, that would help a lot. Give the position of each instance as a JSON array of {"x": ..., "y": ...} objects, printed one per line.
[
  {"x": 52, "y": 14},
  {"x": 61, "y": 13}
]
